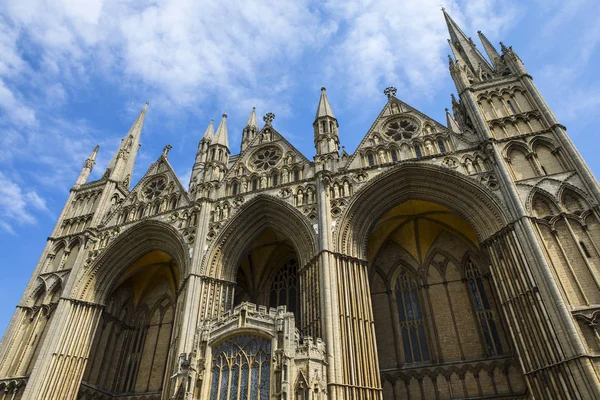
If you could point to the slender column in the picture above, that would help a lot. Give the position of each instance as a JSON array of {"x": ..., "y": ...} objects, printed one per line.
[{"x": 59, "y": 369}]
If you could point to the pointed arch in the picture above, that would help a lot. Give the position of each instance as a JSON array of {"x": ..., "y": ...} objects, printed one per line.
[
  {"x": 572, "y": 200},
  {"x": 260, "y": 213},
  {"x": 98, "y": 281},
  {"x": 467, "y": 197},
  {"x": 542, "y": 204}
]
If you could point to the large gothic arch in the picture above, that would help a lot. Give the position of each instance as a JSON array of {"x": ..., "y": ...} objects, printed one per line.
[
  {"x": 259, "y": 214},
  {"x": 411, "y": 181},
  {"x": 97, "y": 282}
]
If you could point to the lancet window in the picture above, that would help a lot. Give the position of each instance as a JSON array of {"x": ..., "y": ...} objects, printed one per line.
[
  {"x": 284, "y": 289},
  {"x": 241, "y": 368},
  {"x": 484, "y": 312},
  {"x": 412, "y": 326}
]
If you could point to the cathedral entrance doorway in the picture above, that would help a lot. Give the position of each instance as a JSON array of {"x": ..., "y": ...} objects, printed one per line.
[
  {"x": 131, "y": 344},
  {"x": 268, "y": 273}
]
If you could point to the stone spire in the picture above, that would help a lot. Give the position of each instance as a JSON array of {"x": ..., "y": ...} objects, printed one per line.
[
  {"x": 250, "y": 130},
  {"x": 489, "y": 49},
  {"x": 88, "y": 166},
  {"x": 121, "y": 166},
  {"x": 324, "y": 108},
  {"x": 463, "y": 47},
  {"x": 209, "y": 134},
  {"x": 202, "y": 153},
  {"x": 221, "y": 135},
  {"x": 451, "y": 122}
]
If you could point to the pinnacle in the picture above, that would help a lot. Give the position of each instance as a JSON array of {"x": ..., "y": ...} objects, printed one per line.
[
  {"x": 324, "y": 108},
  {"x": 221, "y": 135}
]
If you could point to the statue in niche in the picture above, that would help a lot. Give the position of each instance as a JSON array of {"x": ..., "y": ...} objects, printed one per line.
[
  {"x": 429, "y": 147},
  {"x": 469, "y": 166}
]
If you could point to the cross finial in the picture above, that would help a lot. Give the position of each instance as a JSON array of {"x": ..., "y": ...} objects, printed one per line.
[
  {"x": 268, "y": 118},
  {"x": 166, "y": 150},
  {"x": 390, "y": 92}
]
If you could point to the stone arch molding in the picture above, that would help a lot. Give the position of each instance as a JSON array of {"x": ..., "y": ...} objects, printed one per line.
[
  {"x": 262, "y": 212},
  {"x": 97, "y": 282},
  {"x": 413, "y": 181}
]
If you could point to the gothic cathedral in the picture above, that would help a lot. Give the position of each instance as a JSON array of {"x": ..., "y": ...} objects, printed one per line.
[{"x": 435, "y": 262}]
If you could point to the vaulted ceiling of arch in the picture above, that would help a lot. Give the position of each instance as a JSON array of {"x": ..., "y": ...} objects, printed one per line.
[
  {"x": 397, "y": 123},
  {"x": 150, "y": 271},
  {"x": 265, "y": 255},
  {"x": 415, "y": 225},
  {"x": 268, "y": 150}
]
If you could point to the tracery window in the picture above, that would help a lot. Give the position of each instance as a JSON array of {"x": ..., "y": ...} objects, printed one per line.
[
  {"x": 485, "y": 315},
  {"x": 155, "y": 188},
  {"x": 412, "y": 326},
  {"x": 267, "y": 158},
  {"x": 241, "y": 368},
  {"x": 284, "y": 289},
  {"x": 401, "y": 129}
]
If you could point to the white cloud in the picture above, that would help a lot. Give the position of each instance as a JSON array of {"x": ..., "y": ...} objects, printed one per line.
[{"x": 16, "y": 205}]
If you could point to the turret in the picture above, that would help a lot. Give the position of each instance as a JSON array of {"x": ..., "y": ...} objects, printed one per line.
[
  {"x": 88, "y": 166},
  {"x": 327, "y": 141},
  {"x": 218, "y": 153},
  {"x": 198, "y": 169},
  {"x": 250, "y": 130},
  {"x": 120, "y": 168}
]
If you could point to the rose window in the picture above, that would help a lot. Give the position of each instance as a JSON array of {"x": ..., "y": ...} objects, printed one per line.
[
  {"x": 266, "y": 159},
  {"x": 401, "y": 129},
  {"x": 155, "y": 188}
]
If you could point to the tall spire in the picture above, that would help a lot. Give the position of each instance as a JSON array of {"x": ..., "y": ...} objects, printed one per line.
[
  {"x": 209, "y": 134},
  {"x": 252, "y": 123},
  {"x": 221, "y": 135},
  {"x": 250, "y": 130},
  {"x": 324, "y": 108},
  {"x": 451, "y": 122},
  {"x": 489, "y": 49},
  {"x": 88, "y": 166},
  {"x": 463, "y": 47}
]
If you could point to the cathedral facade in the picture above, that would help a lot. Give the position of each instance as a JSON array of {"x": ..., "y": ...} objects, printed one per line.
[{"x": 438, "y": 261}]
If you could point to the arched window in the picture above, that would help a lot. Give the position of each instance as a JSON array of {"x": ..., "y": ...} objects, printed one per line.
[
  {"x": 418, "y": 151},
  {"x": 296, "y": 175},
  {"x": 174, "y": 203},
  {"x": 234, "y": 188},
  {"x": 241, "y": 368},
  {"x": 441, "y": 145},
  {"x": 254, "y": 183},
  {"x": 371, "y": 159},
  {"x": 156, "y": 208},
  {"x": 284, "y": 289},
  {"x": 394, "y": 155},
  {"x": 274, "y": 179},
  {"x": 485, "y": 315},
  {"x": 140, "y": 213},
  {"x": 511, "y": 107},
  {"x": 412, "y": 326}
]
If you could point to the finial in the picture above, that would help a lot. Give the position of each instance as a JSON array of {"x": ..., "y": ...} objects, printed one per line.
[
  {"x": 323, "y": 89},
  {"x": 147, "y": 102},
  {"x": 390, "y": 92},
  {"x": 446, "y": 109},
  {"x": 268, "y": 118},
  {"x": 166, "y": 150},
  {"x": 224, "y": 115}
]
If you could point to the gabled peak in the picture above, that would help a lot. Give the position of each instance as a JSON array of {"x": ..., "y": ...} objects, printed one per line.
[
  {"x": 451, "y": 122},
  {"x": 463, "y": 46},
  {"x": 221, "y": 135},
  {"x": 324, "y": 108},
  {"x": 209, "y": 134},
  {"x": 252, "y": 123}
]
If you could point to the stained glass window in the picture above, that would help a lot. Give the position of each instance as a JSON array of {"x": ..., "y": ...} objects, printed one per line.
[
  {"x": 284, "y": 289},
  {"x": 485, "y": 314},
  {"x": 412, "y": 326},
  {"x": 241, "y": 369}
]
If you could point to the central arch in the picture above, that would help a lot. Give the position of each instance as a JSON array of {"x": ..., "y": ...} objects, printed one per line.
[{"x": 258, "y": 215}]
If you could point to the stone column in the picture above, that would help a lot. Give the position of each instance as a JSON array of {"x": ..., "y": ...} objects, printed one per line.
[{"x": 60, "y": 366}]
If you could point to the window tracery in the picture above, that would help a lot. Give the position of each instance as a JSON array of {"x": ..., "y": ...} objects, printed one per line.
[
  {"x": 485, "y": 315},
  {"x": 412, "y": 326},
  {"x": 155, "y": 188},
  {"x": 401, "y": 129},
  {"x": 284, "y": 289},
  {"x": 266, "y": 158},
  {"x": 241, "y": 368}
]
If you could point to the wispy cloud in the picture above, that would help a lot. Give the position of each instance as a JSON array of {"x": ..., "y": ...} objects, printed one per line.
[{"x": 16, "y": 205}]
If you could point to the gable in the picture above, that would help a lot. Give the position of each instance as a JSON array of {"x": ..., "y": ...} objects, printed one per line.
[
  {"x": 159, "y": 191},
  {"x": 398, "y": 127}
]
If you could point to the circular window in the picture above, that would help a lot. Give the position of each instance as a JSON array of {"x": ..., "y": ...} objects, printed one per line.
[
  {"x": 266, "y": 158},
  {"x": 155, "y": 188},
  {"x": 401, "y": 129}
]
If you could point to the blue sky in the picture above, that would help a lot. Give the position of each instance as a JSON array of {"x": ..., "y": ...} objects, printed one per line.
[{"x": 75, "y": 73}]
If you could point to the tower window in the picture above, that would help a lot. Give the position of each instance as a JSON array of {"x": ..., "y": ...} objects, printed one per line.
[
  {"x": 585, "y": 250},
  {"x": 442, "y": 145},
  {"x": 418, "y": 151},
  {"x": 174, "y": 203},
  {"x": 510, "y": 106},
  {"x": 254, "y": 183},
  {"x": 371, "y": 159},
  {"x": 394, "y": 155},
  {"x": 485, "y": 315},
  {"x": 275, "y": 179},
  {"x": 234, "y": 188},
  {"x": 412, "y": 327}
]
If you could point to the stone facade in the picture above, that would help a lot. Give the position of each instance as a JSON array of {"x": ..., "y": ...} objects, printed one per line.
[{"x": 435, "y": 262}]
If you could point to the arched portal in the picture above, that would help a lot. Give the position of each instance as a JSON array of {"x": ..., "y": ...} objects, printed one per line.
[{"x": 131, "y": 343}]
